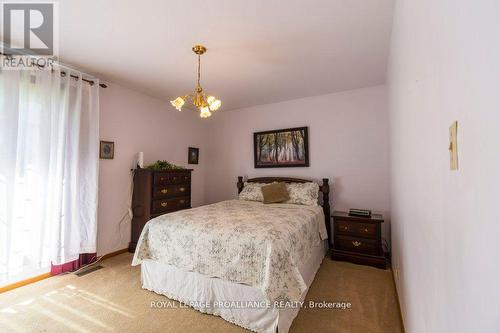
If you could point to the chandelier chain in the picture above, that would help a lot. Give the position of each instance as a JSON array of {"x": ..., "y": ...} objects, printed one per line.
[{"x": 199, "y": 70}]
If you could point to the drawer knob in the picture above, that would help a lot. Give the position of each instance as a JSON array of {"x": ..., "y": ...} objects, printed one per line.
[
  {"x": 175, "y": 178},
  {"x": 164, "y": 191},
  {"x": 164, "y": 204},
  {"x": 161, "y": 178},
  {"x": 345, "y": 228},
  {"x": 182, "y": 201},
  {"x": 356, "y": 243},
  {"x": 182, "y": 189},
  {"x": 365, "y": 229}
]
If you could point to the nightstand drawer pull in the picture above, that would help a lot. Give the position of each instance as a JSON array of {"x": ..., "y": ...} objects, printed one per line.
[
  {"x": 365, "y": 229},
  {"x": 182, "y": 189},
  {"x": 345, "y": 228},
  {"x": 164, "y": 191},
  {"x": 356, "y": 243},
  {"x": 182, "y": 201},
  {"x": 164, "y": 204}
]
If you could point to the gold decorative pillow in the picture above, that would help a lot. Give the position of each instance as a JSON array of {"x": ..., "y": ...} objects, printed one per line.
[{"x": 274, "y": 193}]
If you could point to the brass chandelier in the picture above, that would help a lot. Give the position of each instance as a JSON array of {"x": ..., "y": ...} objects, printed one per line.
[{"x": 206, "y": 104}]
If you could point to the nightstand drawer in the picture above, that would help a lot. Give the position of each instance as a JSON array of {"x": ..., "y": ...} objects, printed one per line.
[
  {"x": 356, "y": 229},
  {"x": 358, "y": 239},
  {"x": 359, "y": 245}
]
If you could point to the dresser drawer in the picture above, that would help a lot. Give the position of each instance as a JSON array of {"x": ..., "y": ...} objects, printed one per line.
[
  {"x": 173, "y": 190},
  {"x": 360, "y": 245},
  {"x": 349, "y": 228},
  {"x": 167, "y": 205},
  {"x": 162, "y": 178}
]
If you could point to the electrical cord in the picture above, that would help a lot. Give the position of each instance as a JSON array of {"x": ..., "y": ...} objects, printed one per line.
[{"x": 87, "y": 265}]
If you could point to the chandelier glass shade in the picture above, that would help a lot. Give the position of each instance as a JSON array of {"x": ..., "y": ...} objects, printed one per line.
[{"x": 206, "y": 104}]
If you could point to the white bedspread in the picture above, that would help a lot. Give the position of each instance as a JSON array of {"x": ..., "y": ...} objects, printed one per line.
[{"x": 239, "y": 241}]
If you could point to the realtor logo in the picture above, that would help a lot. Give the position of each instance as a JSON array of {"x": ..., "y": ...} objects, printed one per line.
[{"x": 29, "y": 28}]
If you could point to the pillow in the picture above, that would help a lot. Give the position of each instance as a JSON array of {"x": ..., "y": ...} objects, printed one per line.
[
  {"x": 275, "y": 192},
  {"x": 252, "y": 192},
  {"x": 303, "y": 193}
]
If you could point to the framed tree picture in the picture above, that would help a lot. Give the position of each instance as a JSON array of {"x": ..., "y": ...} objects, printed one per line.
[{"x": 281, "y": 148}]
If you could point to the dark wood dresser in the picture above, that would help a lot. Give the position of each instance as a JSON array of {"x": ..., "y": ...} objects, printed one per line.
[
  {"x": 358, "y": 239},
  {"x": 156, "y": 193}
]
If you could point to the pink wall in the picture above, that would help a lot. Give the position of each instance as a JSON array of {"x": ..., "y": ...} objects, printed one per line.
[
  {"x": 445, "y": 66},
  {"x": 136, "y": 122},
  {"x": 348, "y": 137},
  {"x": 348, "y": 134}
]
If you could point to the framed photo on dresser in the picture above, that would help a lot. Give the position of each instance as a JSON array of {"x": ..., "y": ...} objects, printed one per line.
[{"x": 281, "y": 148}]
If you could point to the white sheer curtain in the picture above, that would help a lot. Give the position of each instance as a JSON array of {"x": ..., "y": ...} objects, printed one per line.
[{"x": 49, "y": 155}]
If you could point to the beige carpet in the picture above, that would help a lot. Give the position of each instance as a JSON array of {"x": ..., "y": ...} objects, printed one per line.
[{"x": 112, "y": 300}]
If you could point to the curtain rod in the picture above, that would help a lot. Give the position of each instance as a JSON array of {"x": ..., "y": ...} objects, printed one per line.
[
  {"x": 102, "y": 85},
  {"x": 91, "y": 82}
]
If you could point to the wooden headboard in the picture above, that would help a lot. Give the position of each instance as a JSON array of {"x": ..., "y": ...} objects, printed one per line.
[{"x": 324, "y": 189}]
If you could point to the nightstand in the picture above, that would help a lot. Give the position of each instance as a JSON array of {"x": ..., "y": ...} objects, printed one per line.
[{"x": 358, "y": 239}]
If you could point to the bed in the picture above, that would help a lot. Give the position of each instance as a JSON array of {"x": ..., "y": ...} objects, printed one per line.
[{"x": 247, "y": 262}]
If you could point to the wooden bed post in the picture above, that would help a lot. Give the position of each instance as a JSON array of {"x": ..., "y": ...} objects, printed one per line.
[
  {"x": 325, "y": 189},
  {"x": 240, "y": 184}
]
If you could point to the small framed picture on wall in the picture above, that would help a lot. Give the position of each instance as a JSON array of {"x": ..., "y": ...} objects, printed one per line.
[
  {"x": 193, "y": 155},
  {"x": 107, "y": 150}
]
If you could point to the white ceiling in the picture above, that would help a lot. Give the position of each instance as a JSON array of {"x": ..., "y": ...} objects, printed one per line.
[{"x": 259, "y": 51}]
